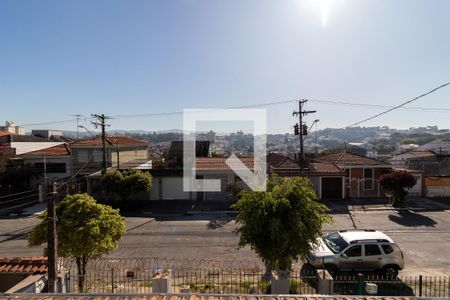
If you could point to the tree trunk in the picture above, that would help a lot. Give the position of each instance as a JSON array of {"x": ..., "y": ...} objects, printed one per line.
[
  {"x": 267, "y": 272},
  {"x": 81, "y": 268},
  {"x": 80, "y": 275}
]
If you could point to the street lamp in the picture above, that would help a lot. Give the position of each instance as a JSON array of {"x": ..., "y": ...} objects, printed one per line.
[{"x": 85, "y": 128}]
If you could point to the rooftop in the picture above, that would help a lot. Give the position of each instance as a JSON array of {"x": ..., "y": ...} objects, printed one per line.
[
  {"x": 218, "y": 163},
  {"x": 419, "y": 153},
  {"x": 61, "y": 149},
  {"x": 346, "y": 158},
  {"x": 285, "y": 166},
  {"x": 111, "y": 140},
  {"x": 27, "y": 265}
]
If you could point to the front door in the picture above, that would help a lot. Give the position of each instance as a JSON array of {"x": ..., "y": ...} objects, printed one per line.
[
  {"x": 352, "y": 258},
  {"x": 372, "y": 257}
]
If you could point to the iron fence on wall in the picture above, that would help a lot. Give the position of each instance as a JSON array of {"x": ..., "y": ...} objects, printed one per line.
[{"x": 135, "y": 275}]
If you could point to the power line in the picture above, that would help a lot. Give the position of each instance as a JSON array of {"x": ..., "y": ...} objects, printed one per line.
[
  {"x": 48, "y": 123},
  {"x": 399, "y": 106}
]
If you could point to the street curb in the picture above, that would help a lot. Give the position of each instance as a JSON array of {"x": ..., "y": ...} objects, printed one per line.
[{"x": 213, "y": 212}]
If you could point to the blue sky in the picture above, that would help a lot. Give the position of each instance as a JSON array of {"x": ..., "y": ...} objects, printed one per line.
[{"x": 59, "y": 58}]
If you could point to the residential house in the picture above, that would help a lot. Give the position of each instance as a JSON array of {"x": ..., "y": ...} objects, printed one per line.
[
  {"x": 50, "y": 164},
  {"x": 362, "y": 173},
  {"x": 427, "y": 161},
  {"x": 217, "y": 168},
  {"x": 87, "y": 155},
  {"x": 23, "y": 159},
  {"x": 437, "y": 146},
  {"x": 327, "y": 178}
]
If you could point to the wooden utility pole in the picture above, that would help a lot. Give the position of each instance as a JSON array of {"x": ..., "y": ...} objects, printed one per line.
[
  {"x": 301, "y": 130},
  {"x": 101, "y": 121},
  {"x": 52, "y": 242}
]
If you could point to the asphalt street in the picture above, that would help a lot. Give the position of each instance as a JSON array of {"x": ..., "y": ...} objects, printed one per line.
[{"x": 424, "y": 237}]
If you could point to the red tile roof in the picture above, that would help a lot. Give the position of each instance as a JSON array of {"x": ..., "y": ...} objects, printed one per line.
[
  {"x": 218, "y": 163},
  {"x": 194, "y": 297},
  {"x": 62, "y": 149},
  {"x": 350, "y": 159},
  {"x": 324, "y": 167},
  {"x": 284, "y": 166},
  {"x": 112, "y": 140},
  {"x": 313, "y": 169},
  {"x": 28, "y": 265},
  {"x": 420, "y": 153},
  {"x": 4, "y": 133}
]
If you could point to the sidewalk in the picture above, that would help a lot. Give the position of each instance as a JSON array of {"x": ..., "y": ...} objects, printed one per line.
[{"x": 413, "y": 203}]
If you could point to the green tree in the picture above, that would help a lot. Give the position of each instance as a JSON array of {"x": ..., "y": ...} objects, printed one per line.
[
  {"x": 398, "y": 183},
  {"x": 282, "y": 224},
  {"x": 125, "y": 183},
  {"x": 86, "y": 230}
]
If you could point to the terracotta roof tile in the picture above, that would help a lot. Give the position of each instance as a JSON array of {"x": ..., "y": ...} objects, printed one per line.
[
  {"x": 350, "y": 159},
  {"x": 23, "y": 265},
  {"x": 218, "y": 163},
  {"x": 4, "y": 133},
  {"x": 62, "y": 149},
  {"x": 112, "y": 140}
]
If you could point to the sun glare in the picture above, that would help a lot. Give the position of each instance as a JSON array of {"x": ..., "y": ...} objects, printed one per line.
[{"x": 323, "y": 9}]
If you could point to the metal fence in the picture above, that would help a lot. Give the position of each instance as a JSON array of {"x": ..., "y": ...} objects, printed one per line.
[
  {"x": 196, "y": 276},
  {"x": 422, "y": 286},
  {"x": 135, "y": 275}
]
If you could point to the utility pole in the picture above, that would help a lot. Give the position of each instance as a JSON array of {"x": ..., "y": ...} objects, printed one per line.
[
  {"x": 52, "y": 242},
  {"x": 101, "y": 122},
  {"x": 301, "y": 130}
]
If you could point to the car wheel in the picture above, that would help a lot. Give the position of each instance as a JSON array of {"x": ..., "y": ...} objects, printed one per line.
[{"x": 390, "y": 271}]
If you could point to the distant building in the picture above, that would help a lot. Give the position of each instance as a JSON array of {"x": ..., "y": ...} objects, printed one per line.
[
  {"x": 13, "y": 128},
  {"x": 211, "y": 136},
  {"x": 46, "y": 133},
  {"x": 365, "y": 149}
]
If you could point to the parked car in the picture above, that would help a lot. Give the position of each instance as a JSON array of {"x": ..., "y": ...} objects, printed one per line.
[{"x": 357, "y": 250}]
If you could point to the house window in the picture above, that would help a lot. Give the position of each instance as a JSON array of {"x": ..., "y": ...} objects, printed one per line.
[
  {"x": 368, "y": 179},
  {"x": 82, "y": 156}
]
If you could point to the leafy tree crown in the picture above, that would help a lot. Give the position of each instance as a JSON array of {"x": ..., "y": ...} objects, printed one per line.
[{"x": 282, "y": 224}]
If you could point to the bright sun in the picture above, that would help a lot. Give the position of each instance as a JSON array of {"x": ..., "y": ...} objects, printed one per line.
[{"x": 323, "y": 8}]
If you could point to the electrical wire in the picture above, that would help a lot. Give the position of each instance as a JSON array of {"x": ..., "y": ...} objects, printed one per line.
[{"x": 400, "y": 105}]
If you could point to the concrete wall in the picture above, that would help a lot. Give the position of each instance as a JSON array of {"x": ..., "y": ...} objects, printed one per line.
[
  {"x": 128, "y": 155},
  {"x": 436, "y": 187}
]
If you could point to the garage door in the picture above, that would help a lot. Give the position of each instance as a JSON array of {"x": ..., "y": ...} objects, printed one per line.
[{"x": 332, "y": 188}]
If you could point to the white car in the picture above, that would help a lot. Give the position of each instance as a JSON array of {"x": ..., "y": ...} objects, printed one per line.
[{"x": 357, "y": 250}]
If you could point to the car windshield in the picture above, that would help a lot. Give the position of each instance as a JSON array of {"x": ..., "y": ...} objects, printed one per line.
[{"x": 335, "y": 242}]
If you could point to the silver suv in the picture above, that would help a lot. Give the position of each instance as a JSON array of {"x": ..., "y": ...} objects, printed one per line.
[{"x": 357, "y": 250}]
